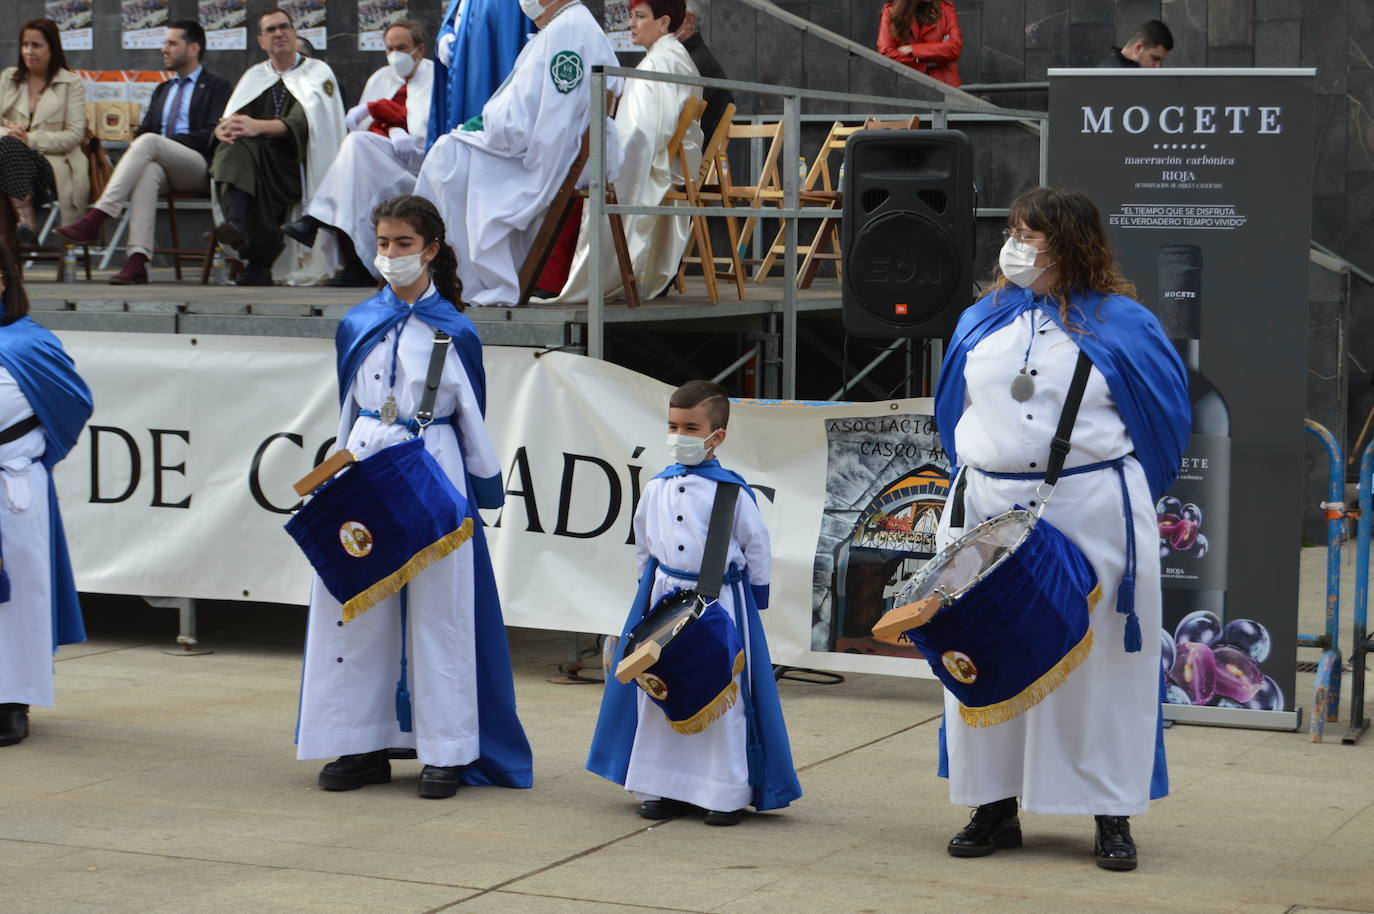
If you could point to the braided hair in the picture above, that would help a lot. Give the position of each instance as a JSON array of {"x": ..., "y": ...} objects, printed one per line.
[{"x": 424, "y": 218}]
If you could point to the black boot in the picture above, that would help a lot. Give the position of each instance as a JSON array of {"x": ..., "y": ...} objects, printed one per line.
[
  {"x": 1114, "y": 848},
  {"x": 439, "y": 782},
  {"x": 14, "y": 723},
  {"x": 303, "y": 230},
  {"x": 233, "y": 231},
  {"x": 354, "y": 273},
  {"x": 349, "y": 772},
  {"x": 992, "y": 826}
]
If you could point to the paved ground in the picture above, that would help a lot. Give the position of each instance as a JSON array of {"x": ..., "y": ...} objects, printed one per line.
[{"x": 164, "y": 783}]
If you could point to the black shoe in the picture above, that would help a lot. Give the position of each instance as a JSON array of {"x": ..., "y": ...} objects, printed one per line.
[
  {"x": 26, "y": 235},
  {"x": 14, "y": 723},
  {"x": 254, "y": 274},
  {"x": 401, "y": 753},
  {"x": 231, "y": 234},
  {"x": 353, "y": 276},
  {"x": 543, "y": 294},
  {"x": 350, "y": 772},
  {"x": 1114, "y": 848},
  {"x": 992, "y": 826},
  {"x": 438, "y": 783},
  {"x": 723, "y": 817},
  {"x": 303, "y": 230},
  {"x": 662, "y": 809}
]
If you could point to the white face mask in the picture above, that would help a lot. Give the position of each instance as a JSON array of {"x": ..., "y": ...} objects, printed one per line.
[
  {"x": 688, "y": 450},
  {"x": 399, "y": 271},
  {"x": 532, "y": 8},
  {"x": 1017, "y": 261},
  {"x": 402, "y": 63}
]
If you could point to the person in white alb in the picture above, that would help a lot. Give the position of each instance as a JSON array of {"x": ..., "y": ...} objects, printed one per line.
[
  {"x": 380, "y": 156},
  {"x": 494, "y": 177}
]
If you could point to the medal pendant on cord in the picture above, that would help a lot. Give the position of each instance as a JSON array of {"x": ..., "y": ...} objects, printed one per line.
[
  {"x": 389, "y": 412},
  {"x": 1022, "y": 386}
]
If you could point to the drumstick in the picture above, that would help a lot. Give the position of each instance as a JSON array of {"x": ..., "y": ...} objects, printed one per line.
[
  {"x": 322, "y": 473},
  {"x": 643, "y": 657},
  {"x": 904, "y": 618}
]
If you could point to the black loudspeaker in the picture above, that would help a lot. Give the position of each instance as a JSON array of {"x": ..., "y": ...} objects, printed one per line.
[{"x": 907, "y": 236}]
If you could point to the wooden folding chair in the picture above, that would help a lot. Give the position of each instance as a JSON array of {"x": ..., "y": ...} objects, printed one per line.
[
  {"x": 557, "y": 217},
  {"x": 706, "y": 188},
  {"x": 766, "y": 189},
  {"x": 689, "y": 192},
  {"x": 205, "y": 256},
  {"x": 817, "y": 189}
]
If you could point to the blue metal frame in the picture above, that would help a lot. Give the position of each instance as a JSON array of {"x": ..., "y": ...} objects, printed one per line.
[
  {"x": 1326, "y": 693},
  {"x": 1363, "y": 644}
]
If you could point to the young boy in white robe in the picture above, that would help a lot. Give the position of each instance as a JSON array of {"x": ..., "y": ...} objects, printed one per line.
[{"x": 743, "y": 757}]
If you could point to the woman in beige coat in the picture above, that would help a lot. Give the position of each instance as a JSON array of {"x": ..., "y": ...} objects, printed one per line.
[{"x": 42, "y": 122}]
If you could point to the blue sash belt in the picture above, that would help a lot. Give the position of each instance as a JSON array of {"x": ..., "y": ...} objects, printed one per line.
[
  {"x": 412, "y": 424},
  {"x": 1125, "y": 594}
]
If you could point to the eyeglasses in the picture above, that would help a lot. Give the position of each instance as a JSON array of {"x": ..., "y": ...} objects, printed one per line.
[
  {"x": 280, "y": 27},
  {"x": 1023, "y": 237}
]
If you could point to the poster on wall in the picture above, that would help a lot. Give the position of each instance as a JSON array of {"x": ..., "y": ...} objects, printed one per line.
[
  {"x": 75, "y": 20},
  {"x": 225, "y": 23},
  {"x": 1204, "y": 179},
  {"x": 308, "y": 16},
  {"x": 373, "y": 18},
  {"x": 615, "y": 19},
  {"x": 143, "y": 23}
]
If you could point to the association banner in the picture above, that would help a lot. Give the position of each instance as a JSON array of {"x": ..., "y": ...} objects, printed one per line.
[
  {"x": 1204, "y": 178},
  {"x": 181, "y": 482}
]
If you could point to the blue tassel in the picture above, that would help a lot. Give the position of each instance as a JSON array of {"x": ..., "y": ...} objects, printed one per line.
[
  {"x": 1125, "y": 604},
  {"x": 403, "y": 700}
]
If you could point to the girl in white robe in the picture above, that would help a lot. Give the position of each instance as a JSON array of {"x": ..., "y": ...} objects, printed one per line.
[
  {"x": 645, "y": 121},
  {"x": 1092, "y": 746}
]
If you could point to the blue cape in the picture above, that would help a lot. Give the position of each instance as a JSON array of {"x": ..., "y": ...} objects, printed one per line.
[
  {"x": 47, "y": 377},
  {"x": 487, "y": 41},
  {"x": 504, "y": 758},
  {"x": 1148, "y": 381},
  {"x": 710, "y": 469},
  {"x": 771, "y": 772}
]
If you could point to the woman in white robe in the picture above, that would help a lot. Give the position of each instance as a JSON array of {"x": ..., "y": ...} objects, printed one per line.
[
  {"x": 1093, "y": 745},
  {"x": 645, "y": 121}
]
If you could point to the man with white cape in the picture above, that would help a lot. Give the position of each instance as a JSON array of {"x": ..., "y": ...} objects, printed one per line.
[
  {"x": 493, "y": 178},
  {"x": 645, "y": 121},
  {"x": 379, "y": 158},
  {"x": 282, "y": 126}
]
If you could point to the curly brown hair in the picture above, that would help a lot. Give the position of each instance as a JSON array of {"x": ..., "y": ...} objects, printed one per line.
[{"x": 1076, "y": 242}]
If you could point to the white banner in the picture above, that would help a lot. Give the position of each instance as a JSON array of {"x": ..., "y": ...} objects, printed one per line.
[{"x": 181, "y": 482}]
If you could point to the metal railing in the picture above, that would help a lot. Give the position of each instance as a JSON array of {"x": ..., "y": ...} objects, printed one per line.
[{"x": 791, "y": 210}]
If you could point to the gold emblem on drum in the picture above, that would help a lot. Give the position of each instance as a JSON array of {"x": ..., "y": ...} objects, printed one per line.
[
  {"x": 355, "y": 538},
  {"x": 959, "y": 666},
  {"x": 656, "y": 687}
]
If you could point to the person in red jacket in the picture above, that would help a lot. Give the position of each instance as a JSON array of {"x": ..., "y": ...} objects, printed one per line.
[{"x": 924, "y": 35}]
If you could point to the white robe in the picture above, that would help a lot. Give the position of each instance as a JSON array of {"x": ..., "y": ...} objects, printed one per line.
[
  {"x": 1090, "y": 746},
  {"x": 709, "y": 769},
  {"x": 26, "y": 619},
  {"x": 493, "y": 185},
  {"x": 645, "y": 121},
  {"x": 317, "y": 90},
  {"x": 349, "y": 683},
  {"x": 371, "y": 168}
]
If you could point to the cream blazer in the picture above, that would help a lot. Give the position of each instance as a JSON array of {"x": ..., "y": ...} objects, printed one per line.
[{"x": 55, "y": 130}]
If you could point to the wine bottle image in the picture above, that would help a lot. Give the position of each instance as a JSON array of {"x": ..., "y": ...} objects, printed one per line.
[{"x": 1194, "y": 516}]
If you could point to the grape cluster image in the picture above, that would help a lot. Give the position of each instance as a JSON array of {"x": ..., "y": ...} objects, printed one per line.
[
  {"x": 1180, "y": 528},
  {"x": 1208, "y": 663}
]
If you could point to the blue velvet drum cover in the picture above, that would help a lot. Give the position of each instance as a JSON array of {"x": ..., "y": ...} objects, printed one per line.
[
  {"x": 693, "y": 680},
  {"x": 1016, "y": 635},
  {"x": 379, "y": 523}
]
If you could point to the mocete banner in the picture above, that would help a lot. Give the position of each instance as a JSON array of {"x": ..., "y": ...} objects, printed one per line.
[
  {"x": 1204, "y": 179},
  {"x": 181, "y": 482}
]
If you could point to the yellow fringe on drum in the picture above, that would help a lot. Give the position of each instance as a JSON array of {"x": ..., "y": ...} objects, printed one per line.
[
  {"x": 722, "y": 703},
  {"x": 392, "y": 583},
  {"x": 1031, "y": 695}
]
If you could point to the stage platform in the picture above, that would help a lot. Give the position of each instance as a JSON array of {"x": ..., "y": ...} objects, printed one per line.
[{"x": 167, "y": 306}]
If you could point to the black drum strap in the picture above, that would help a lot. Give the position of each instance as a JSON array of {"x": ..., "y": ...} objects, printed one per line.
[
  {"x": 709, "y": 579},
  {"x": 1059, "y": 446},
  {"x": 432, "y": 378}
]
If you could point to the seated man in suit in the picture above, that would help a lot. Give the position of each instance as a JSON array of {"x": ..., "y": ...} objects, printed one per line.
[{"x": 169, "y": 153}]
